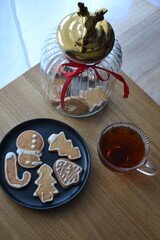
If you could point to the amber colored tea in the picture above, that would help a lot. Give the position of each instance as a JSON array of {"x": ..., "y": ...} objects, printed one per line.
[{"x": 122, "y": 147}]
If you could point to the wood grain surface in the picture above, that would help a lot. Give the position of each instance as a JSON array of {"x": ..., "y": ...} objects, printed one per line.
[{"x": 111, "y": 205}]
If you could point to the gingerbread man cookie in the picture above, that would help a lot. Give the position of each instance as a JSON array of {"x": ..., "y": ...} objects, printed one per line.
[{"x": 29, "y": 148}]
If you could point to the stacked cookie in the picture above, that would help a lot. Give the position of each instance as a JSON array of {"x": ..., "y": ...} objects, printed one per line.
[{"x": 80, "y": 101}]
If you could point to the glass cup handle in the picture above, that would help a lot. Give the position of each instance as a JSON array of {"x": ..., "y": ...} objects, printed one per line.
[{"x": 148, "y": 169}]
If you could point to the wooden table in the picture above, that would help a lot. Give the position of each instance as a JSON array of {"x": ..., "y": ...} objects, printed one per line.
[{"x": 111, "y": 205}]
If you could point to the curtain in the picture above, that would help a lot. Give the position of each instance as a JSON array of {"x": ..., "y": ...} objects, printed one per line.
[
  {"x": 25, "y": 24},
  {"x": 155, "y": 2}
]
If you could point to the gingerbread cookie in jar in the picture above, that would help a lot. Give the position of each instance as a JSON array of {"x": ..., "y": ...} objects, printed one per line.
[{"x": 80, "y": 62}]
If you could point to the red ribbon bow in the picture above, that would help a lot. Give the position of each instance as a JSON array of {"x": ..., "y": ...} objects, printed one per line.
[{"x": 80, "y": 69}]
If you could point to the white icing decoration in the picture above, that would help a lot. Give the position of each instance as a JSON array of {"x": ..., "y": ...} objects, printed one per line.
[
  {"x": 27, "y": 162},
  {"x": 10, "y": 155},
  {"x": 36, "y": 163},
  {"x": 34, "y": 141},
  {"x": 37, "y": 153},
  {"x": 52, "y": 138},
  {"x": 33, "y": 146},
  {"x": 34, "y": 135}
]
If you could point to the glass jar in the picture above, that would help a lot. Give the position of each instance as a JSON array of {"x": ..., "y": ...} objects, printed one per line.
[
  {"x": 86, "y": 94},
  {"x": 78, "y": 61}
]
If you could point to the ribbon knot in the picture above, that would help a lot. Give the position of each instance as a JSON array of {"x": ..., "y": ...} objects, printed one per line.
[{"x": 80, "y": 68}]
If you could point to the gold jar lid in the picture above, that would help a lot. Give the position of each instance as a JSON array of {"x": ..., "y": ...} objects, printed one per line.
[{"x": 85, "y": 37}]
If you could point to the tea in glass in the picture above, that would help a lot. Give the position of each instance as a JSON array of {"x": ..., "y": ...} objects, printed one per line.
[{"x": 123, "y": 147}]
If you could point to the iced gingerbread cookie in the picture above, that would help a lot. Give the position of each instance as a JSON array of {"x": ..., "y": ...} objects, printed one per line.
[
  {"x": 94, "y": 97},
  {"x": 45, "y": 182},
  {"x": 11, "y": 172},
  {"x": 67, "y": 172},
  {"x": 29, "y": 148},
  {"x": 75, "y": 106},
  {"x": 64, "y": 147}
]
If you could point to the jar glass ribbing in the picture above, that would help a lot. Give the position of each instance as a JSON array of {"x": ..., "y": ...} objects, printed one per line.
[{"x": 86, "y": 94}]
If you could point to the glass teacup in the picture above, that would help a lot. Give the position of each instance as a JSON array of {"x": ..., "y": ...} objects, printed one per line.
[{"x": 123, "y": 147}]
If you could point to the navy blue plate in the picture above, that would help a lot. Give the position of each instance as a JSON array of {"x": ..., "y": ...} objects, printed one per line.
[{"x": 45, "y": 127}]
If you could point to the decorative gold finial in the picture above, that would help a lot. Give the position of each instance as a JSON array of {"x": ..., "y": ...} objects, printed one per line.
[
  {"x": 91, "y": 22},
  {"x": 84, "y": 36},
  {"x": 83, "y": 11}
]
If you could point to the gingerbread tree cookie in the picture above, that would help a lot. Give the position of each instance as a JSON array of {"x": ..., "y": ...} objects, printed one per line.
[
  {"x": 64, "y": 147},
  {"x": 94, "y": 97},
  {"x": 45, "y": 182}
]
